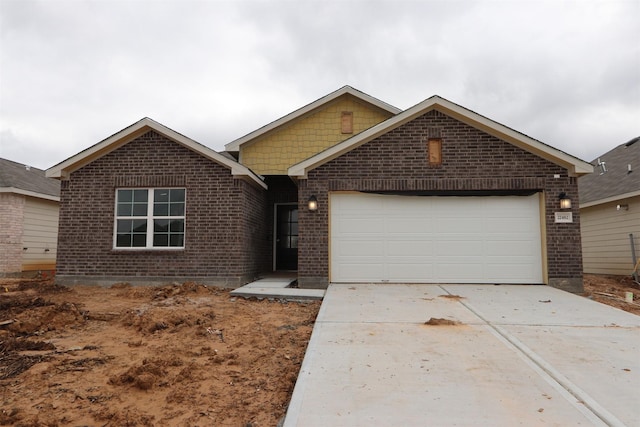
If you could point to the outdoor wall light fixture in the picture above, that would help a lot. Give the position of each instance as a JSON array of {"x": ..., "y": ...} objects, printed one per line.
[
  {"x": 313, "y": 203},
  {"x": 565, "y": 202},
  {"x": 622, "y": 207}
]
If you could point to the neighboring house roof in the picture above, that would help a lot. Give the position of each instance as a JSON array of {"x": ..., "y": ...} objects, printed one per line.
[
  {"x": 617, "y": 176},
  {"x": 234, "y": 146},
  {"x": 64, "y": 169},
  {"x": 575, "y": 166},
  {"x": 29, "y": 181}
]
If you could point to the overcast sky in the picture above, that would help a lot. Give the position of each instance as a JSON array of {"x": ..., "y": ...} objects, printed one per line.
[{"x": 73, "y": 73}]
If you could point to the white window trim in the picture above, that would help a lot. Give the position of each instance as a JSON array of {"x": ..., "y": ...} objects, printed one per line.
[{"x": 150, "y": 221}]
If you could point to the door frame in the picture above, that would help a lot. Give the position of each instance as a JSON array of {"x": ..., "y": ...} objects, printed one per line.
[{"x": 275, "y": 231}]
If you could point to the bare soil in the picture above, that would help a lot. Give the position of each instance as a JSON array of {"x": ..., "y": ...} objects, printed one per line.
[
  {"x": 611, "y": 290},
  {"x": 178, "y": 355}
]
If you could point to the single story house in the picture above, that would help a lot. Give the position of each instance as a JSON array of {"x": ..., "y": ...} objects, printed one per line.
[
  {"x": 610, "y": 211},
  {"x": 345, "y": 189},
  {"x": 29, "y": 204}
]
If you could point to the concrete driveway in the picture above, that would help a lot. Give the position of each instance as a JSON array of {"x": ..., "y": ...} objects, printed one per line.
[{"x": 517, "y": 355}]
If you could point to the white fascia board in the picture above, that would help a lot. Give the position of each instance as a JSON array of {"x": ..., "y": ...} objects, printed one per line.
[
  {"x": 301, "y": 169},
  {"x": 575, "y": 165},
  {"x": 29, "y": 193},
  {"x": 610, "y": 199},
  {"x": 63, "y": 169},
  {"x": 234, "y": 146}
]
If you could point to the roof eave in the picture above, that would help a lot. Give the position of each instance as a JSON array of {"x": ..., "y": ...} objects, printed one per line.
[
  {"x": 65, "y": 168},
  {"x": 575, "y": 166},
  {"x": 610, "y": 199},
  {"x": 234, "y": 146},
  {"x": 29, "y": 193}
]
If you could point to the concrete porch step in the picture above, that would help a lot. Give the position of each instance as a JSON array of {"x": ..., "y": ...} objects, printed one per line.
[{"x": 277, "y": 288}]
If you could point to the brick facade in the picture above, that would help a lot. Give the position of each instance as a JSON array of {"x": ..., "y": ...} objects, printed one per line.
[
  {"x": 471, "y": 160},
  {"x": 225, "y": 234},
  {"x": 11, "y": 229}
]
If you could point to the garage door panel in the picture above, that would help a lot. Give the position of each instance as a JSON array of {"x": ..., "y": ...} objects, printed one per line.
[
  {"x": 459, "y": 247},
  {"x": 409, "y": 248},
  {"x": 410, "y": 225},
  {"x": 510, "y": 273},
  {"x": 452, "y": 271},
  {"x": 360, "y": 272},
  {"x": 363, "y": 248},
  {"x": 402, "y": 274},
  {"x": 412, "y": 239},
  {"x": 359, "y": 225},
  {"x": 469, "y": 225},
  {"x": 507, "y": 248}
]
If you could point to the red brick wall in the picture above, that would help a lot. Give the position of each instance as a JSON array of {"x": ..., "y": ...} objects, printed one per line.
[
  {"x": 222, "y": 218},
  {"x": 472, "y": 160}
]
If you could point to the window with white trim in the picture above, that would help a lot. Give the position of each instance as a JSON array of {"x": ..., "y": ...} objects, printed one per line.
[{"x": 149, "y": 218}]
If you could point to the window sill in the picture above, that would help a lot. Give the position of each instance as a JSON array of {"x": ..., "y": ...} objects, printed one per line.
[{"x": 128, "y": 250}]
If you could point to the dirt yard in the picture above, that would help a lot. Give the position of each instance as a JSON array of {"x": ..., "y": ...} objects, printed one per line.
[
  {"x": 611, "y": 290},
  {"x": 180, "y": 355}
]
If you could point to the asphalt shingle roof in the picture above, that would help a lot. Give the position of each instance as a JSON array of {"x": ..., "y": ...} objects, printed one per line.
[
  {"x": 617, "y": 179},
  {"x": 17, "y": 175}
]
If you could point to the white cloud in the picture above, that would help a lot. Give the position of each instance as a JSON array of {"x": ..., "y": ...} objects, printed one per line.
[{"x": 76, "y": 72}]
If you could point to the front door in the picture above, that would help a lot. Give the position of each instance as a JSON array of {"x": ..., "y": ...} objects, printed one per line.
[{"x": 286, "y": 237}]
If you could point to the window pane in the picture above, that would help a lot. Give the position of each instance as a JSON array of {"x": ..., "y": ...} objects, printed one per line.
[
  {"x": 294, "y": 242},
  {"x": 140, "y": 209},
  {"x": 177, "y": 195},
  {"x": 125, "y": 196},
  {"x": 140, "y": 226},
  {"x": 160, "y": 225},
  {"x": 176, "y": 226},
  {"x": 139, "y": 240},
  {"x": 123, "y": 240},
  {"x": 294, "y": 228},
  {"x": 294, "y": 215},
  {"x": 177, "y": 209},
  {"x": 160, "y": 240},
  {"x": 161, "y": 195},
  {"x": 140, "y": 195},
  {"x": 124, "y": 226},
  {"x": 176, "y": 240},
  {"x": 160, "y": 209},
  {"x": 124, "y": 209}
]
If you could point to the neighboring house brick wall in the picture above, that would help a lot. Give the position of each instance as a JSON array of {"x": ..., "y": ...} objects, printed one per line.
[
  {"x": 11, "y": 231},
  {"x": 472, "y": 160},
  {"x": 606, "y": 244},
  {"x": 275, "y": 152},
  {"x": 220, "y": 211}
]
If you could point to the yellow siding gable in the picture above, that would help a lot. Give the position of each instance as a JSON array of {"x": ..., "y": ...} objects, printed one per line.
[{"x": 275, "y": 152}]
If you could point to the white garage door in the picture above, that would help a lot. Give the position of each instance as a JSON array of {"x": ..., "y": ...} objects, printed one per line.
[{"x": 428, "y": 239}]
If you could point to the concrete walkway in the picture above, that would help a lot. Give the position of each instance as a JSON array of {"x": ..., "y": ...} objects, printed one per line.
[
  {"x": 277, "y": 287},
  {"x": 517, "y": 355}
]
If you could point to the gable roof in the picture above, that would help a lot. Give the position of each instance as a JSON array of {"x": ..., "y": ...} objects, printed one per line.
[
  {"x": 63, "y": 169},
  {"x": 617, "y": 182},
  {"x": 29, "y": 181},
  {"x": 234, "y": 146},
  {"x": 575, "y": 166}
]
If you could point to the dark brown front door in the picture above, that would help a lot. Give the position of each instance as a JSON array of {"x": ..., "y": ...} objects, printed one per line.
[{"x": 287, "y": 237}]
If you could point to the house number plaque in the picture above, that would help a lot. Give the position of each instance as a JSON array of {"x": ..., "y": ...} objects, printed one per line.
[{"x": 564, "y": 217}]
